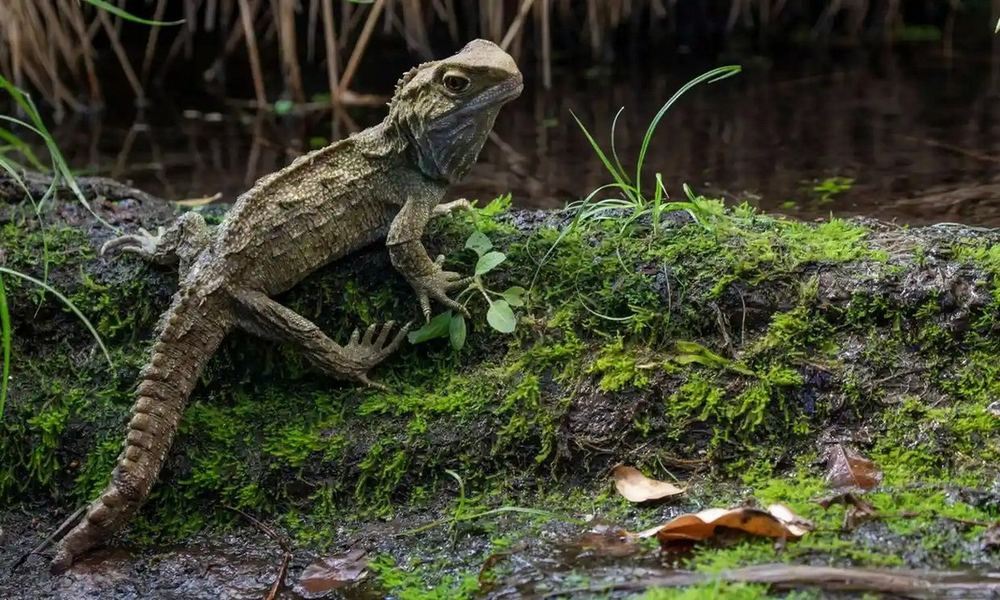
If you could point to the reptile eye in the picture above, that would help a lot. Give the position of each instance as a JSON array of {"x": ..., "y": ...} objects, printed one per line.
[{"x": 456, "y": 83}]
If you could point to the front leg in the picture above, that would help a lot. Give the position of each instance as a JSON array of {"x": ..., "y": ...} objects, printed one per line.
[
  {"x": 179, "y": 245},
  {"x": 449, "y": 207},
  {"x": 410, "y": 258},
  {"x": 267, "y": 319}
]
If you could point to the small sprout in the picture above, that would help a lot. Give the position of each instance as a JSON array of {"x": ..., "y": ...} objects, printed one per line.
[
  {"x": 438, "y": 327},
  {"x": 283, "y": 107},
  {"x": 489, "y": 261},
  {"x": 479, "y": 243},
  {"x": 515, "y": 295},
  {"x": 457, "y": 331},
  {"x": 501, "y": 317}
]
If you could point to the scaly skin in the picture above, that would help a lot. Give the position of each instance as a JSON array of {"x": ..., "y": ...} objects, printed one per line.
[{"x": 384, "y": 182}]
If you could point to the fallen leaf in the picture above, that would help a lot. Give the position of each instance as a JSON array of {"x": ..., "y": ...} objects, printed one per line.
[
  {"x": 335, "y": 571},
  {"x": 991, "y": 537},
  {"x": 778, "y": 521},
  {"x": 603, "y": 541},
  {"x": 857, "y": 509},
  {"x": 846, "y": 468},
  {"x": 636, "y": 487}
]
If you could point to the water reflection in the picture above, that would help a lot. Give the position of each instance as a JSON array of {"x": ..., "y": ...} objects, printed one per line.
[{"x": 901, "y": 124}]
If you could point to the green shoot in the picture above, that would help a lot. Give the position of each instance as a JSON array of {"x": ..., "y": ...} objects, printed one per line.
[
  {"x": 500, "y": 314},
  {"x": 630, "y": 195}
]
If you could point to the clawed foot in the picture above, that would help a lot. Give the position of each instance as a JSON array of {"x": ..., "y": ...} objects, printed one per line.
[
  {"x": 436, "y": 285},
  {"x": 450, "y": 207},
  {"x": 144, "y": 243},
  {"x": 368, "y": 352}
]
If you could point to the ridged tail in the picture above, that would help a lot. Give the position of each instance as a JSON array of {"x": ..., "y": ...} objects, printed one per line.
[{"x": 190, "y": 332}]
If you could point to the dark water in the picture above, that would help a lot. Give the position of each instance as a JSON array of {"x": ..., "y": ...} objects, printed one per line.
[{"x": 912, "y": 134}]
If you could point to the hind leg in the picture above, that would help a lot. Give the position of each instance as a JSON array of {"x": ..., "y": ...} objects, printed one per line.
[{"x": 265, "y": 318}]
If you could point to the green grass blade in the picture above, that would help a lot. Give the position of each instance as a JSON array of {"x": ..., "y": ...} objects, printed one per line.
[
  {"x": 111, "y": 8},
  {"x": 5, "y": 336},
  {"x": 68, "y": 303},
  {"x": 17, "y": 144},
  {"x": 604, "y": 159},
  {"x": 614, "y": 150},
  {"x": 59, "y": 164},
  {"x": 710, "y": 77}
]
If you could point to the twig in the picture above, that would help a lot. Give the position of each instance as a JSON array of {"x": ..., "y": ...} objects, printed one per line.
[
  {"x": 898, "y": 374},
  {"x": 267, "y": 530},
  {"x": 922, "y": 585},
  {"x": 283, "y": 569}
]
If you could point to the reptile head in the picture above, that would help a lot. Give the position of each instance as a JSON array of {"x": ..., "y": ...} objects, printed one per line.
[{"x": 446, "y": 108}]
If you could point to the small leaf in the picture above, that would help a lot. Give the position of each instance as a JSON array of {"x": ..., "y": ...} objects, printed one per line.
[
  {"x": 846, "y": 468},
  {"x": 636, "y": 487},
  {"x": 479, "y": 243},
  {"x": 335, "y": 571},
  {"x": 501, "y": 317},
  {"x": 489, "y": 261},
  {"x": 778, "y": 521},
  {"x": 456, "y": 331},
  {"x": 513, "y": 295},
  {"x": 438, "y": 327}
]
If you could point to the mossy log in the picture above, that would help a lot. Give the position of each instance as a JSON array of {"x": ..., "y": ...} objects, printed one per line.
[{"x": 730, "y": 345}]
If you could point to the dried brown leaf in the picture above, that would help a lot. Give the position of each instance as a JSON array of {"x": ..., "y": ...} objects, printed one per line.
[
  {"x": 778, "y": 521},
  {"x": 636, "y": 487},
  {"x": 857, "y": 509},
  {"x": 846, "y": 468},
  {"x": 335, "y": 571}
]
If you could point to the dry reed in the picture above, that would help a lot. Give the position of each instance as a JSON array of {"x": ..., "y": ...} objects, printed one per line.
[{"x": 49, "y": 46}]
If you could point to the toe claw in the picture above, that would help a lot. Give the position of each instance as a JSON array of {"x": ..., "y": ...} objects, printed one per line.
[
  {"x": 369, "y": 334},
  {"x": 384, "y": 334}
]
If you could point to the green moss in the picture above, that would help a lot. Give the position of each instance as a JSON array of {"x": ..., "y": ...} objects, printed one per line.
[
  {"x": 620, "y": 367},
  {"x": 406, "y": 584}
]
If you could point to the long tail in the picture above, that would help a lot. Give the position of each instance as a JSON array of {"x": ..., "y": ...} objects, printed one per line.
[{"x": 190, "y": 332}]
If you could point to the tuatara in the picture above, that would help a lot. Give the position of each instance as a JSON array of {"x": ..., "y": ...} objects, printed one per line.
[{"x": 384, "y": 182}]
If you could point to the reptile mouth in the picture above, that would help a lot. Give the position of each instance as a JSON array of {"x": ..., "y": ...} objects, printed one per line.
[{"x": 499, "y": 94}]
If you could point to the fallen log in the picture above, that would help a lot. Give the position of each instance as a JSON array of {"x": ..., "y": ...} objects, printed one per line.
[{"x": 734, "y": 342}]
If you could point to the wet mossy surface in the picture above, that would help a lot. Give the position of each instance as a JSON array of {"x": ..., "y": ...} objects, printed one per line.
[{"x": 727, "y": 353}]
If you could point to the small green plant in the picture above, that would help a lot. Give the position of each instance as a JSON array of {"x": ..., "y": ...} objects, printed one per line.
[
  {"x": 464, "y": 511},
  {"x": 631, "y": 198},
  {"x": 500, "y": 314},
  {"x": 830, "y": 187}
]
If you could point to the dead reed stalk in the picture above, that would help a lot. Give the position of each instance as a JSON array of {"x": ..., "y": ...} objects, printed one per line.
[{"x": 49, "y": 45}]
